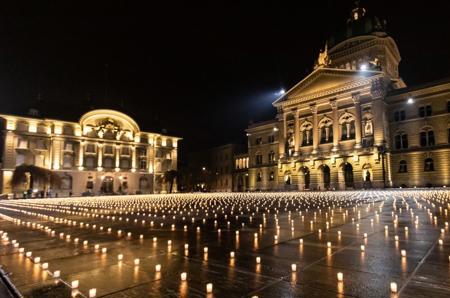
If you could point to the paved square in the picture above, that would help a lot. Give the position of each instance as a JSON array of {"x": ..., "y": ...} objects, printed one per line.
[{"x": 244, "y": 244}]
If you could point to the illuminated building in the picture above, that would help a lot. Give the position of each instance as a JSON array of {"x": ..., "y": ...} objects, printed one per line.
[
  {"x": 353, "y": 123},
  {"x": 105, "y": 152}
]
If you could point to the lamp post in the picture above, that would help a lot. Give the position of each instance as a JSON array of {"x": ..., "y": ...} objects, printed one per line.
[{"x": 382, "y": 152}]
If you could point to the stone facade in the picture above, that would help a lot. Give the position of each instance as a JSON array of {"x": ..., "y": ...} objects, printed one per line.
[
  {"x": 105, "y": 152},
  {"x": 336, "y": 128}
]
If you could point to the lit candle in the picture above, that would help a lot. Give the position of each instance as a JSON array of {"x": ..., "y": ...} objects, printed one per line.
[
  {"x": 45, "y": 266},
  {"x": 75, "y": 284},
  {"x": 403, "y": 253},
  {"x": 258, "y": 260},
  {"x": 209, "y": 288},
  {"x": 56, "y": 274},
  {"x": 183, "y": 276},
  {"x": 232, "y": 254},
  {"x": 363, "y": 248},
  {"x": 340, "y": 276},
  {"x": 136, "y": 262},
  {"x": 393, "y": 287},
  {"x": 294, "y": 267},
  {"x": 158, "y": 268},
  {"x": 92, "y": 293},
  {"x": 120, "y": 257}
]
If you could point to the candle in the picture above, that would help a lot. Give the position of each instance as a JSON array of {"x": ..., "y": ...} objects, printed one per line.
[
  {"x": 232, "y": 254},
  {"x": 92, "y": 293},
  {"x": 403, "y": 253},
  {"x": 56, "y": 274},
  {"x": 158, "y": 268},
  {"x": 294, "y": 267},
  {"x": 75, "y": 284},
  {"x": 136, "y": 262},
  {"x": 45, "y": 266},
  {"x": 209, "y": 288},
  {"x": 340, "y": 276},
  {"x": 183, "y": 276},
  {"x": 393, "y": 287},
  {"x": 258, "y": 260},
  {"x": 120, "y": 257}
]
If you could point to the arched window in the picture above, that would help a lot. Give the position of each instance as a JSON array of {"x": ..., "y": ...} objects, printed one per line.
[
  {"x": 307, "y": 133},
  {"x": 326, "y": 130},
  {"x": 429, "y": 165},
  {"x": 403, "y": 166},
  {"x": 347, "y": 122},
  {"x": 427, "y": 138},
  {"x": 401, "y": 141}
]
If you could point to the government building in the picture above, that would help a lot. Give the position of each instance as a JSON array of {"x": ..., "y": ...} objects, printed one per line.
[
  {"x": 352, "y": 123},
  {"x": 105, "y": 152}
]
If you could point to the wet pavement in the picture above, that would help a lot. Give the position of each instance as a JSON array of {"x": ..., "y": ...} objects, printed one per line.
[{"x": 112, "y": 246}]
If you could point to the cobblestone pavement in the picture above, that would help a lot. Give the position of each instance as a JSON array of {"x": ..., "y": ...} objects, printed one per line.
[{"x": 382, "y": 243}]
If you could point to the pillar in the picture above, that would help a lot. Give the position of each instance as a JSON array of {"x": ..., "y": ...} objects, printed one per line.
[
  {"x": 356, "y": 101},
  {"x": 81, "y": 155},
  {"x": 133, "y": 158},
  {"x": 282, "y": 139},
  {"x": 117, "y": 153},
  {"x": 100, "y": 156},
  {"x": 315, "y": 129},
  {"x": 335, "y": 116},
  {"x": 297, "y": 133}
]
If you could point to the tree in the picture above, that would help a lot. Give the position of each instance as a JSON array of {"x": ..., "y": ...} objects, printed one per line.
[
  {"x": 169, "y": 177},
  {"x": 37, "y": 174}
]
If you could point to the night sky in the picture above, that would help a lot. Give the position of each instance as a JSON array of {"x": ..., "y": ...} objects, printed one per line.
[{"x": 200, "y": 70}]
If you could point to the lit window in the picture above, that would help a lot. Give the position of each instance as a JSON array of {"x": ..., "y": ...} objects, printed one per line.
[
  {"x": 429, "y": 165},
  {"x": 23, "y": 144}
]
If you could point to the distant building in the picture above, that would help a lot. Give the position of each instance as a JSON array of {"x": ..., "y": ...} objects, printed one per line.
[
  {"x": 213, "y": 169},
  {"x": 105, "y": 152},
  {"x": 352, "y": 123}
]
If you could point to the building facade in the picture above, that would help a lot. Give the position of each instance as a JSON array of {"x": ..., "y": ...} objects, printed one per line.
[
  {"x": 353, "y": 123},
  {"x": 105, "y": 152}
]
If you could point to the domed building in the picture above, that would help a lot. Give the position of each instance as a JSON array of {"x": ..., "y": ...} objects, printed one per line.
[
  {"x": 353, "y": 123},
  {"x": 105, "y": 152}
]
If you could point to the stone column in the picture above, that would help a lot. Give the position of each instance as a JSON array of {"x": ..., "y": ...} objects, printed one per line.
[
  {"x": 282, "y": 138},
  {"x": 81, "y": 155},
  {"x": 297, "y": 133},
  {"x": 356, "y": 101},
  {"x": 335, "y": 116},
  {"x": 133, "y": 158},
  {"x": 315, "y": 129},
  {"x": 100, "y": 155},
  {"x": 117, "y": 152}
]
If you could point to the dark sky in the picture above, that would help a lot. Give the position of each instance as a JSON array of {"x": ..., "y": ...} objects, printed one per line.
[{"x": 202, "y": 70}]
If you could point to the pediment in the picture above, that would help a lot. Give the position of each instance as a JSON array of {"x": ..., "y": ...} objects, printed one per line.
[{"x": 326, "y": 80}]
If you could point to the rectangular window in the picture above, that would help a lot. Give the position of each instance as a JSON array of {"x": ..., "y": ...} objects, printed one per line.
[
  {"x": 108, "y": 149},
  {"x": 68, "y": 146},
  {"x": 448, "y": 106},
  {"x": 404, "y": 141},
  {"x": 423, "y": 139},
  {"x": 448, "y": 135},
  {"x": 402, "y": 115},
  {"x": 258, "y": 159},
  {"x": 143, "y": 164},
  {"x": 428, "y": 110},
  {"x": 430, "y": 138},
  {"x": 40, "y": 144},
  {"x": 90, "y": 148},
  {"x": 258, "y": 141},
  {"x": 422, "y": 112},
  {"x": 398, "y": 142},
  {"x": 23, "y": 144},
  {"x": 396, "y": 116},
  {"x": 125, "y": 151},
  {"x": 271, "y": 139}
]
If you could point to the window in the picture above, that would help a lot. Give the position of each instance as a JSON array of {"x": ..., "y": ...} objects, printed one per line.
[
  {"x": 66, "y": 182},
  {"x": 348, "y": 130},
  {"x": 427, "y": 138},
  {"x": 259, "y": 159},
  {"x": 272, "y": 157},
  {"x": 68, "y": 161},
  {"x": 403, "y": 167},
  {"x": 125, "y": 151},
  {"x": 68, "y": 146},
  {"x": 399, "y": 116},
  {"x": 40, "y": 144},
  {"x": 258, "y": 141},
  {"x": 90, "y": 148},
  {"x": 258, "y": 177},
  {"x": 23, "y": 144},
  {"x": 108, "y": 150},
  {"x": 448, "y": 106},
  {"x": 401, "y": 141},
  {"x": 90, "y": 162},
  {"x": 307, "y": 138},
  {"x": 108, "y": 163},
  {"x": 429, "y": 165},
  {"x": 39, "y": 160},
  {"x": 326, "y": 134},
  {"x": 425, "y": 111},
  {"x": 271, "y": 139},
  {"x": 448, "y": 135},
  {"x": 20, "y": 159},
  {"x": 271, "y": 176},
  {"x": 125, "y": 163},
  {"x": 143, "y": 164}
]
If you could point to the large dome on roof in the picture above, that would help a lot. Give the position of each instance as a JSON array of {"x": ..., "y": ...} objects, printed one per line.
[{"x": 360, "y": 23}]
